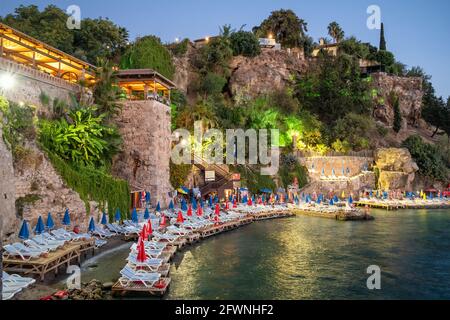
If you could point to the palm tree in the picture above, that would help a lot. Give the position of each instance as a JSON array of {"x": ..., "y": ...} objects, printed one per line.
[
  {"x": 106, "y": 92},
  {"x": 335, "y": 31}
]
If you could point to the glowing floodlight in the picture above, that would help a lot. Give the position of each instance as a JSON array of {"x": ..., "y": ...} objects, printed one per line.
[{"x": 7, "y": 81}]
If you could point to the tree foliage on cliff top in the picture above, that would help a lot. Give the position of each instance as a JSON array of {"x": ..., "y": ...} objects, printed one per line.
[
  {"x": 148, "y": 53},
  {"x": 285, "y": 26},
  {"x": 428, "y": 157},
  {"x": 97, "y": 38}
]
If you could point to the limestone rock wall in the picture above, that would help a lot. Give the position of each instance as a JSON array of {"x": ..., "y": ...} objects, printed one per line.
[
  {"x": 40, "y": 189},
  {"x": 408, "y": 89},
  {"x": 270, "y": 71},
  {"x": 144, "y": 159},
  {"x": 396, "y": 167},
  {"x": 7, "y": 190}
]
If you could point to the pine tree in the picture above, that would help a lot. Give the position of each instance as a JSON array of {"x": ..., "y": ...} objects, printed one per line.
[
  {"x": 382, "y": 39},
  {"x": 397, "y": 114}
]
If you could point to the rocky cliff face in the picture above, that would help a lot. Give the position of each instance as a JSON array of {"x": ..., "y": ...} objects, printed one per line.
[
  {"x": 396, "y": 168},
  {"x": 7, "y": 191},
  {"x": 268, "y": 72},
  {"x": 409, "y": 91}
]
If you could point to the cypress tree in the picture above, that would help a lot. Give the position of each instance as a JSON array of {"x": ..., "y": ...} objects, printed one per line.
[
  {"x": 382, "y": 38},
  {"x": 397, "y": 115}
]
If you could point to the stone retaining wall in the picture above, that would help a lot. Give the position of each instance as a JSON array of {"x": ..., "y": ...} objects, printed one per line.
[
  {"x": 29, "y": 83},
  {"x": 144, "y": 159}
]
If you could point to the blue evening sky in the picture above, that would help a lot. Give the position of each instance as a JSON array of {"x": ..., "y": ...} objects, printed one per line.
[{"x": 417, "y": 31}]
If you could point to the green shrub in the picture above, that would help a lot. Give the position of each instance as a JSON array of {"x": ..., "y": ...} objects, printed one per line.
[
  {"x": 245, "y": 43},
  {"x": 290, "y": 169},
  {"x": 212, "y": 84},
  {"x": 18, "y": 125},
  {"x": 149, "y": 52},
  {"x": 85, "y": 141},
  {"x": 179, "y": 49},
  {"x": 354, "y": 129},
  {"x": 178, "y": 174},
  {"x": 428, "y": 157},
  {"x": 254, "y": 181}
]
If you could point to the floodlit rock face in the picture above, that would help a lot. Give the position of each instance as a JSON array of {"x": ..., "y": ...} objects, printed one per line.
[
  {"x": 145, "y": 155},
  {"x": 7, "y": 190},
  {"x": 410, "y": 93},
  {"x": 40, "y": 190},
  {"x": 268, "y": 72},
  {"x": 396, "y": 167}
]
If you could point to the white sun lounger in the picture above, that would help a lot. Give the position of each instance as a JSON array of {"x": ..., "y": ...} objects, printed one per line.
[
  {"x": 148, "y": 279},
  {"x": 11, "y": 251}
]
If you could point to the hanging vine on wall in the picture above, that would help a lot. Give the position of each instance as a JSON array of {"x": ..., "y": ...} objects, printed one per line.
[{"x": 94, "y": 185}]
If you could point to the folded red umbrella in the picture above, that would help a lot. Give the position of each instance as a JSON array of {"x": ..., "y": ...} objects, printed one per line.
[
  {"x": 250, "y": 202},
  {"x": 234, "y": 203},
  {"x": 217, "y": 211},
  {"x": 189, "y": 212},
  {"x": 180, "y": 218},
  {"x": 163, "y": 221},
  {"x": 199, "y": 211},
  {"x": 142, "y": 256},
  {"x": 149, "y": 228},
  {"x": 227, "y": 206}
]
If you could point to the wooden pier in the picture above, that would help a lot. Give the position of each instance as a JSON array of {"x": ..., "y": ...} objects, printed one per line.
[
  {"x": 138, "y": 288},
  {"x": 44, "y": 265},
  {"x": 389, "y": 206}
]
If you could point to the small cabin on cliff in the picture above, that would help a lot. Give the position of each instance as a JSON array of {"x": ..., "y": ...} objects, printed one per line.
[
  {"x": 145, "y": 84},
  {"x": 25, "y": 50}
]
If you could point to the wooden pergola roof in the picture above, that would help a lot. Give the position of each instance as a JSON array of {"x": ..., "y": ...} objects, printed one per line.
[
  {"x": 23, "y": 49},
  {"x": 138, "y": 79}
]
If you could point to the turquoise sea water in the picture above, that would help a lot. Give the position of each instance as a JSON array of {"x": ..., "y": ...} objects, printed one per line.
[{"x": 313, "y": 258}]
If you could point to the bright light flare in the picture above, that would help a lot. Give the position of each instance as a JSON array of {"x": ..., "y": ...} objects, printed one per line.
[{"x": 7, "y": 81}]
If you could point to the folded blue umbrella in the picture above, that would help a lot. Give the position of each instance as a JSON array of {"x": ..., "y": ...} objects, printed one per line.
[
  {"x": 244, "y": 199},
  {"x": 210, "y": 200},
  {"x": 146, "y": 214},
  {"x": 40, "y": 227},
  {"x": 118, "y": 215},
  {"x": 194, "y": 205},
  {"x": 336, "y": 199},
  {"x": 158, "y": 207},
  {"x": 50, "y": 223},
  {"x": 147, "y": 197},
  {"x": 202, "y": 204},
  {"x": 230, "y": 198},
  {"x": 183, "y": 205},
  {"x": 24, "y": 233},
  {"x": 216, "y": 199},
  {"x": 171, "y": 205},
  {"x": 331, "y": 202},
  {"x": 350, "y": 200},
  {"x": 104, "y": 219},
  {"x": 66, "y": 219},
  {"x": 134, "y": 216},
  {"x": 91, "y": 225}
]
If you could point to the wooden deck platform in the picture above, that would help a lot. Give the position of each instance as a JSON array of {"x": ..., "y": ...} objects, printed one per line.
[
  {"x": 403, "y": 205},
  {"x": 139, "y": 288},
  {"x": 45, "y": 265}
]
